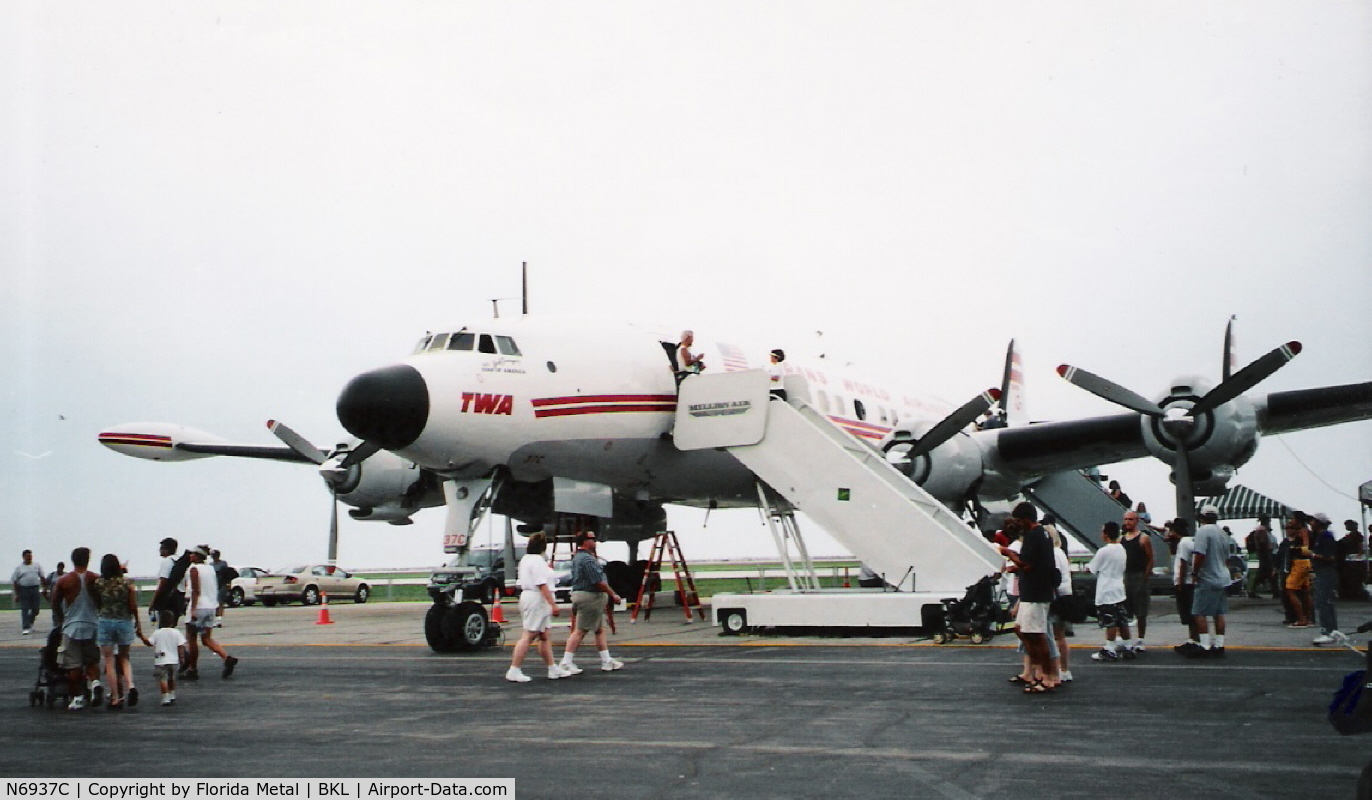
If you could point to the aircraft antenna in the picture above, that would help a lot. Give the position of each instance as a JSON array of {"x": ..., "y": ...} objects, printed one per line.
[{"x": 524, "y": 289}]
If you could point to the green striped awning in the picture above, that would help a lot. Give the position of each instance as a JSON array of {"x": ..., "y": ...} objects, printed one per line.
[{"x": 1240, "y": 502}]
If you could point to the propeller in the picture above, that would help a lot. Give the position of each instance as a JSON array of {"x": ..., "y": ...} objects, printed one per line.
[
  {"x": 949, "y": 426},
  {"x": 1178, "y": 421},
  {"x": 334, "y": 467}
]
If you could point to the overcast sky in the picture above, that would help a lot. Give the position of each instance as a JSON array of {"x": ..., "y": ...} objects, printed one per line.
[{"x": 216, "y": 214}]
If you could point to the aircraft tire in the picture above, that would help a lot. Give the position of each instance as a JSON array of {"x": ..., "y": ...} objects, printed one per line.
[
  {"x": 465, "y": 625},
  {"x": 733, "y": 621},
  {"x": 435, "y": 632}
]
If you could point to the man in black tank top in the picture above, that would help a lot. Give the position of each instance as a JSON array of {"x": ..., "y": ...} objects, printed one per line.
[{"x": 1138, "y": 565}]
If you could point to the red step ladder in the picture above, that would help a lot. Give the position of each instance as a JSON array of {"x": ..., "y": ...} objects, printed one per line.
[{"x": 666, "y": 545}]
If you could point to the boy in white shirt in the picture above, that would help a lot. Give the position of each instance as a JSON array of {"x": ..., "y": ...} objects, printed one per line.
[
  {"x": 1108, "y": 567},
  {"x": 168, "y": 650}
]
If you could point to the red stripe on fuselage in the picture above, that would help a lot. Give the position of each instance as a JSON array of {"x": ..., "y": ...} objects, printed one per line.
[
  {"x": 142, "y": 439},
  {"x": 603, "y": 409},
  {"x": 597, "y": 399}
]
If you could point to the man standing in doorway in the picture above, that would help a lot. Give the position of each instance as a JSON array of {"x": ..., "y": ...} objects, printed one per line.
[
  {"x": 29, "y": 587},
  {"x": 589, "y": 593}
]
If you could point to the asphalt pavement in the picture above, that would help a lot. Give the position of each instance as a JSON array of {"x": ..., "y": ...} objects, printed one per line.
[{"x": 695, "y": 714}]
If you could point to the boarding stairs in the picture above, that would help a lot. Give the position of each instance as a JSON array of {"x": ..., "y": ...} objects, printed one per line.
[
  {"x": 845, "y": 486},
  {"x": 1083, "y": 507}
]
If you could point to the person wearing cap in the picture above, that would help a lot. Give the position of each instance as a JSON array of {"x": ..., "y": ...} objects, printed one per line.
[
  {"x": 204, "y": 592},
  {"x": 167, "y": 598},
  {"x": 1210, "y": 567},
  {"x": 775, "y": 372},
  {"x": 1298, "y": 574},
  {"x": 1324, "y": 562}
]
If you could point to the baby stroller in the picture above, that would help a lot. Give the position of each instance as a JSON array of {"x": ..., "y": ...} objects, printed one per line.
[
  {"x": 977, "y": 615},
  {"x": 52, "y": 683}
]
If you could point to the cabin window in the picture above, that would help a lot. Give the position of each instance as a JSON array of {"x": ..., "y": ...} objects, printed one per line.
[
  {"x": 462, "y": 341},
  {"x": 439, "y": 342},
  {"x": 486, "y": 344},
  {"x": 507, "y": 346},
  {"x": 823, "y": 402},
  {"x": 860, "y": 409}
]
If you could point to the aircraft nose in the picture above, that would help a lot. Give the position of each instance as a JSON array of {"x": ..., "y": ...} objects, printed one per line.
[{"x": 388, "y": 406}]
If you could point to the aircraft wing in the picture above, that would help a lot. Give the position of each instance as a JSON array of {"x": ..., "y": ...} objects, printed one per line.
[
  {"x": 163, "y": 441},
  {"x": 1073, "y": 444},
  {"x": 1283, "y": 412}
]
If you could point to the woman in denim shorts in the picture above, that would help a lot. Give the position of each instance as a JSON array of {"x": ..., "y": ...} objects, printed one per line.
[{"x": 118, "y": 624}]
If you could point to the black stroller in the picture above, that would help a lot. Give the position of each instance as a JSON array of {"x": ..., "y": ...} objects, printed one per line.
[
  {"x": 978, "y": 615},
  {"x": 52, "y": 684}
]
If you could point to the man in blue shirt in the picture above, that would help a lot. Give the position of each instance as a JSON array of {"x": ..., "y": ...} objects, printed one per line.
[{"x": 589, "y": 593}]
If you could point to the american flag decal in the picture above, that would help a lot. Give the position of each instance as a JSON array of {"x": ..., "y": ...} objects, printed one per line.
[{"x": 734, "y": 359}]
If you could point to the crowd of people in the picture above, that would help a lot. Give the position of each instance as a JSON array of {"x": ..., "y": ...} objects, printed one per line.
[
  {"x": 1307, "y": 570},
  {"x": 96, "y": 619}
]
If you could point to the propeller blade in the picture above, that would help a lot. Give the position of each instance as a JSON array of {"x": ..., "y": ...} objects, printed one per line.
[
  {"x": 949, "y": 426},
  {"x": 296, "y": 442},
  {"x": 1109, "y": 390},
  {"x": 1246, "y": 378},
  {"x": 333, "y": 529},
  {"x": 1227, "y": 368},
  {"x": 363, "y": 452},
  {"x": 1186, "y": 494}
]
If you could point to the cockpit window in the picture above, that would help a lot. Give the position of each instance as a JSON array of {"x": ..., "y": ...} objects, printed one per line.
[
  {"x": 423, "y": 344},
  {"x": 439, "y": 342},
  {"x": 462, "y": 341},
  {"x": 487, "y": 344},
  {"x": 507, "y": 346}
]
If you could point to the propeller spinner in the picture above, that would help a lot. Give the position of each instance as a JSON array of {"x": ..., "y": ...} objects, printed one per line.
[{"x": 336, "y": 467}]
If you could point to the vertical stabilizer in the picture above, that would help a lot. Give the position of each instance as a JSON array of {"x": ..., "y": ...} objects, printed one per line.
[{"x": 1012, "y": 389}]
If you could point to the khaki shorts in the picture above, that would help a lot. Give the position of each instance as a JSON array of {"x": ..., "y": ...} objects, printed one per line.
[
  {"x": 590, "y": 610},
  {"x": 77, "y": 653}
]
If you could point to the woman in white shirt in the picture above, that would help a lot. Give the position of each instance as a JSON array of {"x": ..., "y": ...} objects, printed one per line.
[{"x": 537, "y": 607}]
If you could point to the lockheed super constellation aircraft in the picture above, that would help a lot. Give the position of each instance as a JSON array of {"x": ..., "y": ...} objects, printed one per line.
[{"x": 535, "y": 417}]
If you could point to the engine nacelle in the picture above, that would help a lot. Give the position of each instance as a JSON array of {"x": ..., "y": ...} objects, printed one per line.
[
  {"x": 948, "y": 472},
  {"x": 1217, "y": 442},
  {"x": 387, "y": 488}
]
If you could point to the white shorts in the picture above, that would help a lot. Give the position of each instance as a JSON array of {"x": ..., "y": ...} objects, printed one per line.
[
  {"x": 534, "y": 613},
  {"x": 1032, "y": 617}
]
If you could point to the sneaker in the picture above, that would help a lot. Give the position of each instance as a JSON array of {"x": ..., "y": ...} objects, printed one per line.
[
  {"x": 1105, "y": 655},
  {"x": 1140, "y": 649},
  {"x": 171, "y": 696},
  {"x": 166, "y": 701},
  {"x": 1214, "y": 652},
  {"x": 555, "y": 672},
  {"x": 229, "y": 664},
  {"x": 1187, "y": 649},
  {"x": 97, "y": 694},
  {"x": 611, "y": 665},
  {"x": 1129, "y": 653},
  {"x": 132, "y": 699},
  {"x": 26, "y": 632},
  {"x": 568, "y": 670},
  {"x": 517, "y": 675},
  {"x": 77, "y": 703},
  {"x": 1323, "y": 638},
  {"x": 1066, "y": 677}
]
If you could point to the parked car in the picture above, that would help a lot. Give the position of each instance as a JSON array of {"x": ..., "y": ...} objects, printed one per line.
[
  {"x": 307, "y": 583},
  {"x": 243, "y": 589},
  {"x": 483, "y": 577}
]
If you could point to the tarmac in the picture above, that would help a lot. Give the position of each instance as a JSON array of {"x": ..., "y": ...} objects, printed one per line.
[{"x": 697, "y": 714}]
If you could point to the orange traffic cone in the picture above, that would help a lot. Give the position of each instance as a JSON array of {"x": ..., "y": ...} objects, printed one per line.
[
  {"x": 496, "y": 614},
  {"x": 323, "y": 610}
]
